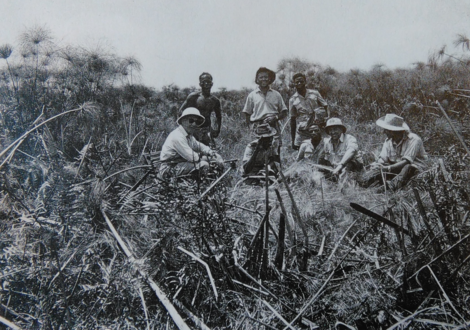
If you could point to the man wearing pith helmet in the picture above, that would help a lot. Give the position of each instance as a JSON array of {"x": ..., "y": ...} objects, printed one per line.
[
  {"x": 181, "y": 153},
  {"x": 207, "y": 104},
  {"x": 341, "y": 150},
  {"x": 265, "y": 105},
  {"x": 402, "y": 154},
  {"x": 306, "y": 107}
]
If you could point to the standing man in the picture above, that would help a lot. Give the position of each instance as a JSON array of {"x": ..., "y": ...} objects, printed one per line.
[
  {"x": 181, "y": 154},
  {"x": 265, "y": 105},
  {"x": 402, "y": 156},
  {"x": 306, "y": 107},
  {"x": 206, "y": 104}
]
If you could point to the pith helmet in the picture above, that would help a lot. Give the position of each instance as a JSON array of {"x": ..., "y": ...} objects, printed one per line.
[
  {"x": 392, "y": 122},
  {"x": 191, "y": 112},
  {"x": 335, "y": 122}
]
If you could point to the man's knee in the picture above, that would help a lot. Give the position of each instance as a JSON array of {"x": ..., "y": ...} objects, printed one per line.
[{"x": 203, "y": 164}]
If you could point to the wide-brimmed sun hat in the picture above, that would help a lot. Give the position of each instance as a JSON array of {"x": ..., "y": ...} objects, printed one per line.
[
  {"x": 271, "y": 74},
  {"x": 191, "y": 112},
  {"x": 392, "y": 122},
  {"x": 264, "y": 130},
  {"x": 335, "y": 122}
]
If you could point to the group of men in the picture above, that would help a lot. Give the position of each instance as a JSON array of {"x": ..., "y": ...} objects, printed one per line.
[{"x": 319, "y": 138}]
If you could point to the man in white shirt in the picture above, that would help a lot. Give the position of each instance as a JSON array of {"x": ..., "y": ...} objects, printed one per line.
[
  {"x": 402, "y": 155},
  {"x": 181, "y": 153},
  {"x": 340, "y": 150},
  {"x": 265, "y": 105}
]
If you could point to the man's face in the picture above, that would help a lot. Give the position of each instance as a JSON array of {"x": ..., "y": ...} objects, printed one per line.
[
  {"x": 335, "y": 132},
  {"x": 266, "y": 142},
  {"x": 315, "y": 134},
  {"x": 263, "y": 79},
  {"x": 206, "y": 83},
  {"x": 299, "y": 83},
  {"x": 191, "y": 123},
  {"x": 396, "y": 136}
]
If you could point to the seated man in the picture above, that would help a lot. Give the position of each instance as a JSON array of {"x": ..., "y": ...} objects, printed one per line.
[
  {"x": 341, "y": 150},
  {"x": 402, "y": 156},
  {"x": 312, "y": 147},
  {"x": 256, "y": 152},
  {"x": 181, "y": 153}
]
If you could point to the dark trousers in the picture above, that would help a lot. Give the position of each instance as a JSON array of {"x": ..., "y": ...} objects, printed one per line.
[{"x": 395, "y": 179}]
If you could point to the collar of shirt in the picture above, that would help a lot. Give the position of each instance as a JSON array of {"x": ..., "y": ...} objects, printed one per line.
[
  {"x": 307, "y": 93},
  {"x": 396, "y": 145},
  {"x": 341, "y": 138},
  {"x": 182, "y": 131},
  {"x": 258, "y": 90}
]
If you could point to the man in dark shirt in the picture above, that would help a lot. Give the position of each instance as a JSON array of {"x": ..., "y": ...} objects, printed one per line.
[
  {"x": 257, "y": 151},
  {"x": 206, "y": 104}
]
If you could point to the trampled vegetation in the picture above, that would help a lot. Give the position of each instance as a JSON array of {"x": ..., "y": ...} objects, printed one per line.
[{"x": 91, "y": 239}]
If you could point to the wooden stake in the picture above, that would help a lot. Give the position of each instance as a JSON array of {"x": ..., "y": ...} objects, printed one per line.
[
  {"x": 176, "y": 317},
  {"x": 453, "y": 128}
]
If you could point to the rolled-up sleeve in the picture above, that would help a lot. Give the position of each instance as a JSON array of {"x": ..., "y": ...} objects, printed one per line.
[
  {"x": 384, "y": 154},
  {"x": 282, "y": 105},
  {"x": 292, "y": 108},
  {"x": 351, "y": 148},
  {"x": 413, "y": 148},
  {"x": 249, "y": 105},
  {"x": 321, "y": 101},
  {"x": 184, "y": 150}
]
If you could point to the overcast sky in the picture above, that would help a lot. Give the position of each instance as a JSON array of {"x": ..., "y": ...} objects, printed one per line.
[{"x": 177, "y": 40}]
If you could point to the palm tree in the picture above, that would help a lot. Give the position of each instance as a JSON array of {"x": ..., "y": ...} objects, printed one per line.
[{"x": 5, "y": 52}]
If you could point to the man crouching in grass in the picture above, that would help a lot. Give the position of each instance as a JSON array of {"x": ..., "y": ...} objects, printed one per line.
[
  {"x": 256, "y": 154},
  {"x": 402, "y": 155},
  {"x": 181, "y": 153},
  {"x": 341, "y": 150}
]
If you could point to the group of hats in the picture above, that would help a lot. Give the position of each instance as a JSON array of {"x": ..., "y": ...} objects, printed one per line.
[{"x": 390, "y": 122}]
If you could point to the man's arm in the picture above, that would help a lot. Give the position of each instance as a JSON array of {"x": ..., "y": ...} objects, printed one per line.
[
  {"x": 293, "y": 130},
  {"x": 189, "y": 102},
  {"x": 188, "y": 149},
  {"x": 218, "y": 115},
  {"x": 324, "y": 104},
  {"x": 283, "y": 114},
  {"x": 351, "y": 150},
  {"x": 397, "y": 166},
  {"x": 293, "y": 121},
  {"x": 301, "y": 154},
  {"x": 248, "y": 109}
]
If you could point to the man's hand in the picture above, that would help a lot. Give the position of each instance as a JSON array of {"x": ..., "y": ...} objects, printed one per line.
[
  {"x": 337, "y": 169},
  {"x": 271, "y": 120},
  {"x": 378, "y": 166},
  {"x": 215, "y": 133},
  {"x": 212, "y": 154}
]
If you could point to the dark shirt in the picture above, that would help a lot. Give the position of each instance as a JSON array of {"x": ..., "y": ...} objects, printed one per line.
[{"x": 205, "y": 105}]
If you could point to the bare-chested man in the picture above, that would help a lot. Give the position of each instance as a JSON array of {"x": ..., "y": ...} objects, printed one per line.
[{"x": 206, "y": 104}]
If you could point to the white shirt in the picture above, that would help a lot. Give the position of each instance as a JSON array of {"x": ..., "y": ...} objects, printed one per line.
[{"x": 179, "y": 146}]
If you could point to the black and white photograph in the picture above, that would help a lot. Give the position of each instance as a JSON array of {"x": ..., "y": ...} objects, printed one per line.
[{"x": 235, "y": 164}]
